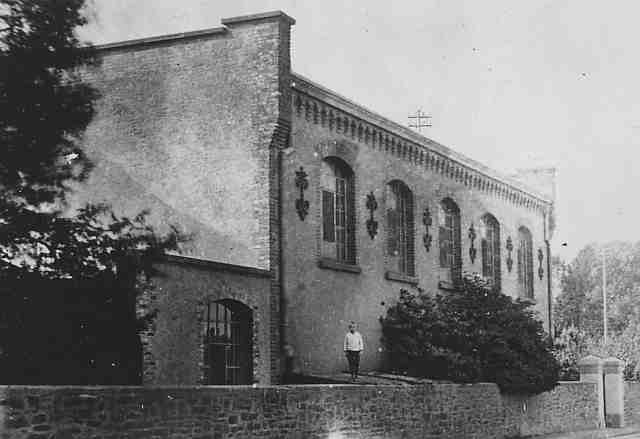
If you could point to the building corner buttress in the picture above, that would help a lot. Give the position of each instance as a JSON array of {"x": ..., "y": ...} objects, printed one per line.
[{"x": 279, "y": 142}]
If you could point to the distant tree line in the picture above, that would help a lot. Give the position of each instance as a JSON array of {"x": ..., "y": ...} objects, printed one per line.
[{"x": 578, "y": 311}]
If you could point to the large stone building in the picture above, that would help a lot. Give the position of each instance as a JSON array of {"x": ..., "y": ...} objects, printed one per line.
[{"x": 305, "y": 210}]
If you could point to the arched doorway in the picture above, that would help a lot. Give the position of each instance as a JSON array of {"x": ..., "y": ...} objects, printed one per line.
[{"x": 228, "y": 343}]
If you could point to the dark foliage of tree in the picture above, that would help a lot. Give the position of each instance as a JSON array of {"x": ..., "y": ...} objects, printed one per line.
[
  {"x": 69, "y": 332},
  {"x": 470, "y": 335},
  {"x": 45, "y": 107},
  {"x": 68, "y": 281}
]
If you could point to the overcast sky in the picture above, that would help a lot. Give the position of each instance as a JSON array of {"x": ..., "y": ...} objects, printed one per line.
[{"x": 512, "y": 84}]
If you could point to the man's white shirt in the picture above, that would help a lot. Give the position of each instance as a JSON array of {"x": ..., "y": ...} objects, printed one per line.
[{"x": 353, "y": 341}]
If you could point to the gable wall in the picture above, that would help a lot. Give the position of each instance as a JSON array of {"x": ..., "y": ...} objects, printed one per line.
[{"x": 183, "y": 128}]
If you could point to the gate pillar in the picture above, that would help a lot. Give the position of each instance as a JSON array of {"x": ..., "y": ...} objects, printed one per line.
[
  {"x": 613, "y": 392},
  {"x": 591, "y": 372}
]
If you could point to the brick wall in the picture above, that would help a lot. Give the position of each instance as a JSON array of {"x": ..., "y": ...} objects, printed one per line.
[
  {"x": 332, "y": 126},
  {"x": 191, "y": 127},
  {"x": 435, "y": 411},
  {"x": 632, "y": 402},
  {"x": 174, "y": 344},
  {"x": 185, "y": 127}
]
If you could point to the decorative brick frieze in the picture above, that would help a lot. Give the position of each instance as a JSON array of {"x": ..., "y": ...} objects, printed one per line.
[{"x": 356, "y": 129}]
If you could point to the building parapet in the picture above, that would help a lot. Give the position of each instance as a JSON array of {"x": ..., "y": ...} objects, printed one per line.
[
  {"x": 327, "y": 108},
  {"x": 141, "y": 42},
  {"x": 204, "y": 33}
]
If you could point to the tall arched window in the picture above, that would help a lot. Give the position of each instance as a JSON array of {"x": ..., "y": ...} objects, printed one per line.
[
  {"x": 338, "y": 211},
  {"x": 490, "y": 247},
  {"x": 400, "y": 225},
  {"x": 449, "y": 241},
  {"x": 525, "y": 263},
  {"x": 228, "y": 343}
]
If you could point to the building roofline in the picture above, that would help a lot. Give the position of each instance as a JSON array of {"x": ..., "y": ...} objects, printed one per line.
[
  {"x": 343, "y": 103},
  {"x": 256, "y": 17},
  {"x": 196, "y": 262},
  {"x": 204, "y": 33}
]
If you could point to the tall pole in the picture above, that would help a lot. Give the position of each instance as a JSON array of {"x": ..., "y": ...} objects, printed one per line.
[{"x": 604, "y": 296}]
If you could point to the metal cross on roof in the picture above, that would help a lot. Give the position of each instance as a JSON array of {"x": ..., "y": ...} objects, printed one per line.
[{"x": 420, "y": 121}]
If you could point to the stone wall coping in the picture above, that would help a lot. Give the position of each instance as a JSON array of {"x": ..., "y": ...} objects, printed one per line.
[
  {"x": 612, "y": 361},
  {"x": 612, "y": 365},
  {"x": 140, "y": 42},
  {"x": 81, "y": 388},
  {"x": 336, "y": 100},
  {"x": 574, "y": 383},
  {"x": 256, "y": 17},
  {"x": 90, "y": 391},
  {"x": 214, "y": 265},
  {"x": 202, "y": 33},
  {"x": 590, "y": 359},
  {"x": 590, "y": 364}
]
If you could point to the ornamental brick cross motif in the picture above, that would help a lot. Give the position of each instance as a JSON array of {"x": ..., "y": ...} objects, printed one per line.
[
  {"x": 427, "y": 221},
  {"x": 472, "y": 248},
  {"x": 302, "y": 183},
  {"x": 509, "y": 247},
  {"x": 372, "y": 224}
]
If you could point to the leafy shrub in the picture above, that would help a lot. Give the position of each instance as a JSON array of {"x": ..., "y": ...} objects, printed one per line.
[
  {"x": 572, "y": 344},
  {"x": 569, "y": 348},
  {"x": 470, "y": 335}
]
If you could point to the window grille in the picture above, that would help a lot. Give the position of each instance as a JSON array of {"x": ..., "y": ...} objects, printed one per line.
[
  {"x": 400, "y": 228},
  {"x": 525, "y": 263},
  {"x": 449, "y": 240},
  {"x": 228, "y": 343},
  {"x": 338, "y": 211}
]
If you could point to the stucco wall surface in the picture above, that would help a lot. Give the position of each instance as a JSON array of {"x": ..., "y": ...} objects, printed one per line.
[
  {"x": 183, "y": 128},
  {"x": 337, "y": 297},
  {"x": 632, "y": 403}
]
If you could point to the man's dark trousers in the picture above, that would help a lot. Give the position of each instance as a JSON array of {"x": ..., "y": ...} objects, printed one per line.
[{"x": 353, "y": 357}]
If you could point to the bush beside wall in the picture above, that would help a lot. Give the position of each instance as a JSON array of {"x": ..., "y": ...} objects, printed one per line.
[
  {"x": 347, "y": 411},
  {"x": 632, "y": 402}
]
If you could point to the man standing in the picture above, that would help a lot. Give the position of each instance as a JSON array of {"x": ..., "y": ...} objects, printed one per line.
[{"x": 353, "y": 345}]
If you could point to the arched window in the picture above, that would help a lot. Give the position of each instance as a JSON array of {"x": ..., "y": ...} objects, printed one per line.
[
  {"x": 449, "y": 241},
  {"x": 338, "y": 211},
  {"x": 400, "y": 225},
  {"x": 525, "y": 263},
  {"x": 490, "y": 247},
  {"x": 228, "y": 343}
]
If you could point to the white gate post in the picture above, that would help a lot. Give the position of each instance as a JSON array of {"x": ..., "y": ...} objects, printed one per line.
[
  {"x": 613, "y": 392},
  {"x": 591, "y": 372}
]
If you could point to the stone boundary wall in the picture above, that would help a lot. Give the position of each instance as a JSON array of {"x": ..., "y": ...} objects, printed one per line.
[
  {"x": 632, "y": 403},
  {"x": 320, "y": 411}
]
